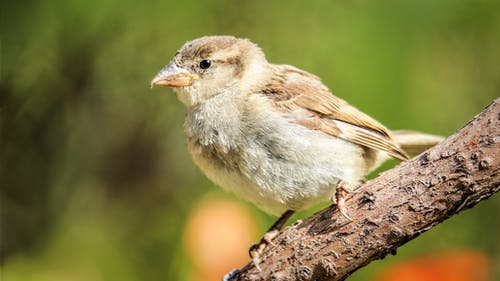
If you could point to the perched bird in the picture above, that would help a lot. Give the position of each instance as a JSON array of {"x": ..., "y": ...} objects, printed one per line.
[{"x": 274, "y": 134}]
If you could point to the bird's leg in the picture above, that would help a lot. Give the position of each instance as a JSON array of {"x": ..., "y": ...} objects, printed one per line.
[
  {"x": 256, "y": 250},
  {"x": 339, "y": 199}
]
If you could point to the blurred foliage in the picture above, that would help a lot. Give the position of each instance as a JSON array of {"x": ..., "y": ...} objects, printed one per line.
[{"x": 95, "y": 180}]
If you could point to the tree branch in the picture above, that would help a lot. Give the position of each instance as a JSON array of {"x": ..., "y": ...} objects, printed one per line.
[{"x": 391, "y": 209}]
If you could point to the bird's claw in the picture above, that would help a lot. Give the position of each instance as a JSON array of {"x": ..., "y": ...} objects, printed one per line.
[
  {"x": 339, "y": 200},
  {"x": 256, "y": 250}
]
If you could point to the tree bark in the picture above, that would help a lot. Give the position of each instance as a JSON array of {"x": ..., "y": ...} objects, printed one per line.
[{"x": 391, "y": 209}]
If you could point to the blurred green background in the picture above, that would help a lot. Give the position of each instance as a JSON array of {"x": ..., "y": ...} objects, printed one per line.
[{"x": 96, "y": 182}]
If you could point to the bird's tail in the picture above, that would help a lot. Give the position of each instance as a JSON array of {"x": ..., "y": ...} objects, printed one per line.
[{"x": 414, "y": 143}]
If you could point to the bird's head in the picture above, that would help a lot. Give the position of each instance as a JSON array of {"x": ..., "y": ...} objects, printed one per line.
[{"x": 208, "y": 66}]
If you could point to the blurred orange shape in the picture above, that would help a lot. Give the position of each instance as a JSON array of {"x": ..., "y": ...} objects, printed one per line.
[
  {"x": 457, "y": 265},
  {"x": 218, "y": 234}
]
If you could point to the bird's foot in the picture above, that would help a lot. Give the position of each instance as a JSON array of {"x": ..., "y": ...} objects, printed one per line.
[
  {"x": 339, "y": 200},
  {"x": 256, "y": 250}
]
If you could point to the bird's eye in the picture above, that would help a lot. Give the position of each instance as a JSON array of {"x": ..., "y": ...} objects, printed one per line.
[{"x": 204, "y": 64}]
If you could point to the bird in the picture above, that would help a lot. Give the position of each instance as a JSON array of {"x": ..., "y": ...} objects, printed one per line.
[{"x": 274, "y": 134}]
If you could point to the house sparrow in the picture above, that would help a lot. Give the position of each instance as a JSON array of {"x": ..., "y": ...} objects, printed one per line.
[{"x": 274, "y": 134}]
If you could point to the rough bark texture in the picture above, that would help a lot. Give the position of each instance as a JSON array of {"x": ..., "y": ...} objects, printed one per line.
[{"x": 390, "y": 210}]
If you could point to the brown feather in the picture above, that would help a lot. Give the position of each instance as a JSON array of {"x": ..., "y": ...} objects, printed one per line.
[{"x": 306, "y": 101}]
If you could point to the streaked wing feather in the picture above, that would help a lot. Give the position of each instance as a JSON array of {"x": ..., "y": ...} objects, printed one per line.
[
  {"x": 367, "y": 138},
  {"x": 325, "y": 112}
]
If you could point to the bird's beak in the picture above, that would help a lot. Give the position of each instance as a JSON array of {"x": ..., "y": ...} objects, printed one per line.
[{"x": 174, "y": 76}]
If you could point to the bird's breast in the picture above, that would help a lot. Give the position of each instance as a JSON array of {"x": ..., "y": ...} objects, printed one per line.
[{"x": 264, "y": 158}]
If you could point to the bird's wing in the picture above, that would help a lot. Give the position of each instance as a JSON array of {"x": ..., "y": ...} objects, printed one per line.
[{"x": 306, "y": 101}]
